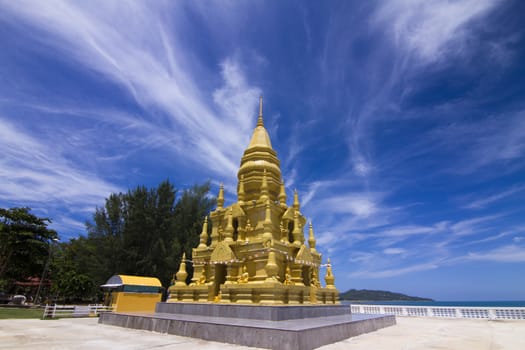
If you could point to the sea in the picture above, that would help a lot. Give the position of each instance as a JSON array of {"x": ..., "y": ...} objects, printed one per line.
[{"x": 514, "y": 303}]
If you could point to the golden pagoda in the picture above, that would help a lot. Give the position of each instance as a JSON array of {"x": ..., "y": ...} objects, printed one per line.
[{"x": 257, "y": 252}]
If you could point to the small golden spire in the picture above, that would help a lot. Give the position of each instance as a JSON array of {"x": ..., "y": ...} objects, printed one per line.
[
  {"x": 264, "y": 187},
  {"x": 182, "y": 273},
  {"x": 329, "y": 277},
  {"x": 204, "y": 233},
  {"x": 311, "y": 238},
  {"x": 296, "y": 204},
  {"x": 268, "y": 213},
  {"x": 282, "y": 195},
  {"x": 267, "y": 223},
  {"x": 271, "y": 268},
  {"x": 240, "y": 192},
  {"x": 220, "y": 197},
  {"x": 297, "y": 231},
  {"x": 260, "y": 119},
  {"x": 228, "y": 231}
]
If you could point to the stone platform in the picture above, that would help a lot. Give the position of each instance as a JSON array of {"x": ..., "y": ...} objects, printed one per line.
[{"x": 271, "y": 327}]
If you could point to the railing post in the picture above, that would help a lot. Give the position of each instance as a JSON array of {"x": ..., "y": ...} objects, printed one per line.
[
  {"x": 492, "y": 314},
  {"x": 430, "y": 313}
]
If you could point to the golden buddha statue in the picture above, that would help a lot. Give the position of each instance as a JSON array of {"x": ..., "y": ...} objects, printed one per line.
[{"x": 243, "y": 278}]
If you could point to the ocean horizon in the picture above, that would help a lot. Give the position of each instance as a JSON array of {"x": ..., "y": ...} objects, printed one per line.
[{"x": 507, "y": 303}]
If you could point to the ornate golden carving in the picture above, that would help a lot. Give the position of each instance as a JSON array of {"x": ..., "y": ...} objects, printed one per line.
[{"x": 222, "y": 253}]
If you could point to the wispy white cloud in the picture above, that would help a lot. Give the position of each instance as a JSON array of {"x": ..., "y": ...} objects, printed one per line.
[
  {"x": 130, "y": 46},
  {"x": 386, "y": 273},
  {"x": 403, "y": 231},
  {"x": 394, "y": 251},
  {"x": 430, "y": 29},
  {"x": 357, "y": 204},
  {"x": 312, "y": 189},
  {"x": 34, "y": 172},
  {"x": 232, "y": 97},
  {"x": 473, "y": 226},
  {"x": 499, "y": 236},
  {"x": 477, "y": 144},
  {"x": 484, "y": 201},
  {"x": 375, "y": 265},
  {"x": 508, "y": 253}
]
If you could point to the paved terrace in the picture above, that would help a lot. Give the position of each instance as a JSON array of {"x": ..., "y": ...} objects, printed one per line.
[{"x": 409, "y": 333}]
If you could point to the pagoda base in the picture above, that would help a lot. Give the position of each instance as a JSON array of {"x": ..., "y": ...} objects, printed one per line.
[
  {"x": 272, "y": 327},
  {"x": 266, "y": 293}
]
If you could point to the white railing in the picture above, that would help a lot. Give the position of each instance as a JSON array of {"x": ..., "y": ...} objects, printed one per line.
[
  {"x": 490, "y": 313},
  {"x": 52, "y": 311}
]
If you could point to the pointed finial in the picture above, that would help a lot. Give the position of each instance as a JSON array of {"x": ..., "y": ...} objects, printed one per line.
[
  {"x": 267, "y": 223},
  {"x": 228, "y": 231},
  {"x": 282, "y": 195},
  {"x": 204, "y": 233},
  {"x": 268, "y": 213},
  {"x": 297, "y": 231},
  {"x": 240, "y": 192},
  {"x": 182, "y": 273},
  {"x": 220, "y": 197},
  {"x": 329, "y": 277},
  {"x": 311, "y": 238},
  {"x": 264, "y": 187},
  {"x": 296, "y": 204},
  {"x": 260, "y": 119}
]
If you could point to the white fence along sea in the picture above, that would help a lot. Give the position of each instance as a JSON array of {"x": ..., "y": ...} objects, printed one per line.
[{"x": 491, "y": 310}]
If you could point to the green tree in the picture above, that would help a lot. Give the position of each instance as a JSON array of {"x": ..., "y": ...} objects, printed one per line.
[
  {"x": 70, "y": 271},
  {"x": 143, "y": 232},
  {"x": 24, "y": 244}
]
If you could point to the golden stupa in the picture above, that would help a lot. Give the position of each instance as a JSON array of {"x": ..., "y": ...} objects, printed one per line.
[{"x": 257, "y": 252}]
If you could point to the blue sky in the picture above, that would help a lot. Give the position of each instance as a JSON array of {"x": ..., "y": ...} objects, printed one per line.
[{"x": 400, "y": 123}]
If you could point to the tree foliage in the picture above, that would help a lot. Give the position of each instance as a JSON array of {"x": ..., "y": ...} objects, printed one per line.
[
  {"x": 141, "y": 232},
  {"x": 24, "y": 244}
]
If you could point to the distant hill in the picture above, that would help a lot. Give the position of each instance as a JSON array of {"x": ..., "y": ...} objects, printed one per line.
[{"x": 377, "y": 295}]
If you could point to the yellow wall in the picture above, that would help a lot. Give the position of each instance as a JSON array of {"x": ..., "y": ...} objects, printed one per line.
[{"x": 135, "y": 302}]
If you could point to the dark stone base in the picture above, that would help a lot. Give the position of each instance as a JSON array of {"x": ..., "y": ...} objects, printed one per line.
[
  {"x": 292, "y": 333},
  {"x": 255, "y": 312}
]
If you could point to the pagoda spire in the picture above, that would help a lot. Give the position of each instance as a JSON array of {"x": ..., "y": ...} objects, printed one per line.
[
  {"x": 228, "y": 231},
  {"x": 282, "y": 195},
  {"x": 204, "y": 233},
  {"x": 264, "y": 187},
  {"x": 182, "y": 273},
  {"x": 329, "y": 277},
  {"x": 267, "y": 223},
  {"x": 240, "y": 192},
  {"x": 297, "y": 229},
  {"x": 311, "y": 238},
  {"x": 296, "y": 204},
  {"x": 260, "y": 121},
  {"x": 220, "y": 197}
]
